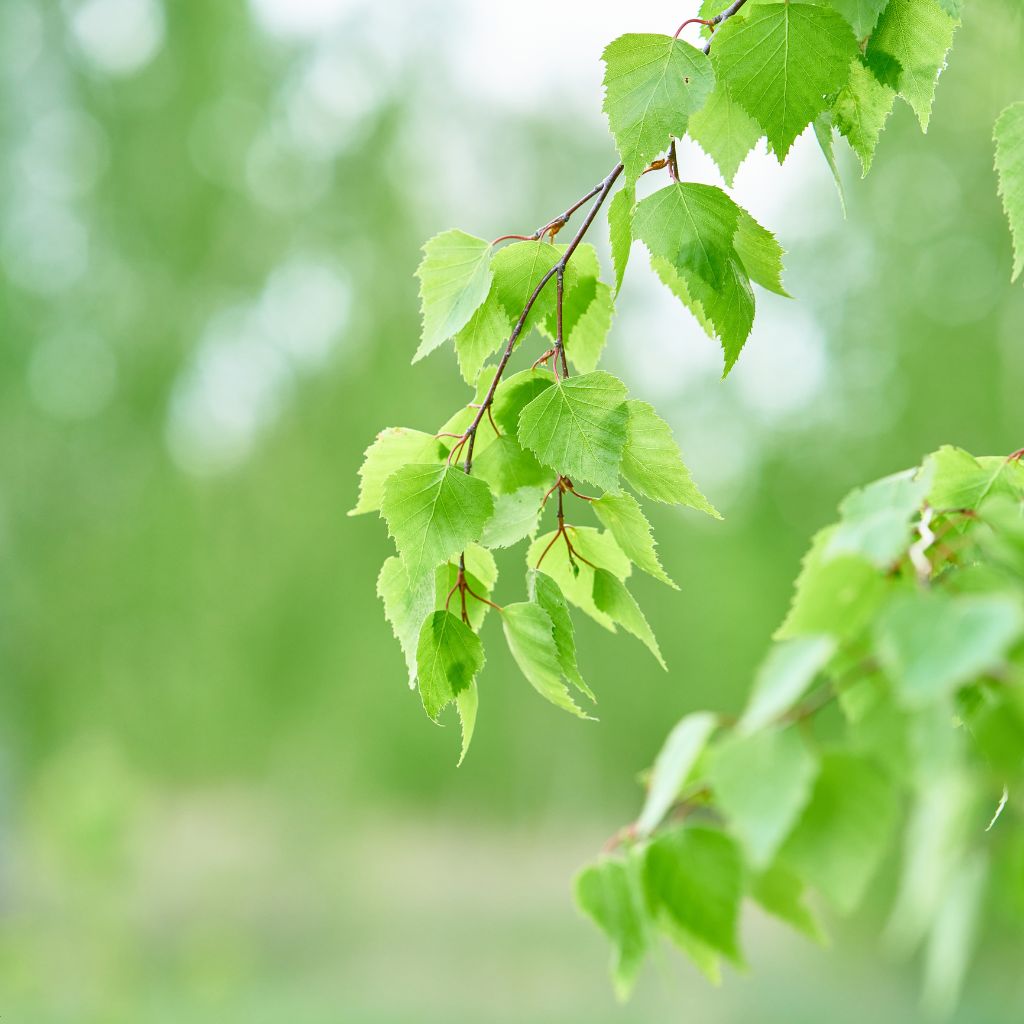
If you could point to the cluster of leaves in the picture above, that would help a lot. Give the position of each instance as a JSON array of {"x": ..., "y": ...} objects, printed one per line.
[
  {"x": 765, "y": 69},
  {"x": 893, "y": 693}
]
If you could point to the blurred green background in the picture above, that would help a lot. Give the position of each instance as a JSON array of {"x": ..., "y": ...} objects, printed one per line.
[{"x": 220, "y": 802}]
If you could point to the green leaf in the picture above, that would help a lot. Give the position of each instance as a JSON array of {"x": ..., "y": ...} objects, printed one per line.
[
  {"x": 518, "y": 269},
  {"x": 844, "y": 831},
  {"x": 694, "y": 876},
  {"x": 725, "y": 131},
  {"x": 960, "y": 481},
  {"x": 488, "y": 329},
  {"x": 783, "y": 678},
  {"x": 505, "y": 464},
  {"x": 781, "y": 893},
  {"x": 954, "y": 8},
  {"x": 545, "y": 591},
  {"x": 391, "y": 450},
  {"x": 612, "y": 598},
  {"x": 433, "y": 512},
  {"x": 578, "y": 584},
  {"x": 876, "y": 521},
  {"x": 675, "y": 761},
  {"x": 590, "y": 333},
  {"x": 653, "y": 465},
  {"x": 621, "y": 514},
  {"x": 620, "y": 231},
  {"x": 760, "y": 253},
  {"x": 406, "y": 607},
  {"x": 861, "y": 14},
  {"x": 530, "y": 635},
  {"x": 455, "y": 277},
  {"x": 578, "y": 427},
  {"x": 448, "y": 657},
  {"x": 861, "y": 110},
  {"x": 515, "y": 517},
  {"x": 652, "y": 84},
  {"x": 609, "y": 893},
  {"x": 930, "y": 643},
  {"x": 917, "y": 34},
  {"x": 692, "y": 227},
  {"x": 762, "y": 783},
  {"x": 1009, "y": 140},
  {"x": 781, "y": 62},
  {"x": 823, "y": 133},
  {"x": 836, "y": 595},
  {"x": 515, "y": 393},
  {"x": 467, "y": 702}
]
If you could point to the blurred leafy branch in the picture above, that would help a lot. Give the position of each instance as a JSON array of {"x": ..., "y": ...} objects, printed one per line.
[{"x": 866, "y": 614}]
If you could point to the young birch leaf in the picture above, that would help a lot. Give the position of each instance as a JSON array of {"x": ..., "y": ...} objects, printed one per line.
[
  {"x": 692, "y": 227},
  {"x": 783, "y": 678},
  {"x": 620, "y": 231},
  {"x": 518, "y": 269},
  {"x": 861, "y": 110},
  {"x": 621, "y": 514},
  {"x": 930, "y": 643},
  {"x": 515, "y": 517},
  {"x": 672, "y": 767},
  {"x": 782, "y": 894},
  {"x": 515, "y": 393},
  {"x": 455, "y": 277},
  {"x": 506, "y": 465},
  {"x": 578, "y": 427},
  {"x": 861, "y": 14},
  {"x": 826, "y": 143},
  {"x": 695, "y": 877},
  {"x": 391, "y": 450},
  {"x": 530, "y": 635},
  {"x": 406, "y": 607},
  {"x": 760, "y": 253},
  {"x": 609, "y": 893},
  {"x": 762, "y": 783},
  {"x": 448, "y": 657},
  {"x": 545, "y": 591},
  {"x": 917, "y": 34},
  {"x": 844, "y": 831},
  {"x": 488, "y": 329},
  {"x": 725, "y": 131},
  {"x": 653, "y": 465},
  {"x": 652, "y": 84},
  {"x": 577, "y": 584},
  {"x": 781, "y": 61},
  {"x": 612, "y": 598},
  {"x": 960, "y": 481},
  {"x": 1009, "y": 139},
  {"x": 467, "y": 702},
  {"x": 590, "y": 333},
  {"x": 433, "y": 512}
]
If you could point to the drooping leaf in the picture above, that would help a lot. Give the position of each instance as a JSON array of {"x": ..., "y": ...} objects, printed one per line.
[
  {"x": 861, "y": 14},
  {"x": 455, "y": 277},
  {"x": 693, "y": 227},
  {"x": 783, "y": 678},
  {"x": 652, "y": 84},
  {"x": 725, "y": 131},
  {"x": 487, "y": 331},
  {"x": 467, "y": 702},
  {"x": 620, "y": 231},
  {"x": 782, "y": 894},
  {"x": 826, "y": 143},
  {"x": 844, "y": 831},
  {"x": 675, "y": 761},
  {"x": 652, "y": 463},
  {"x": 762, "y": 782},
  {"x": 505, "y": 464},
  {"x": 960, "y": 481},
  {"x": 406, "y": 607},
  {"x": 917, "y": 34},
  {"x": 433, "y": 512},
  {"x": 449, "y": 656},
  {"x": 1009, "y": 140},
  {"x": 930, "y": 643},
  {"x": 621, "y": 514},
  {"x": 861, "y": 110},
  {"x": 515, "y": 393},
  {"x": 545, "y": 591},
  {"x": 530, "y": 635},
  {"x": 613, "y": 598},
  {"x": 609, "y": 892},
  {"x": 391, "y": 450},
  {"x": 781, "y": 62},
  {"x": 578, "y": 427},
  {"x": 577, "y": 584},
  {"x": 515, "y": 517},
  {"x": 518, "y": 270},
  {"x": 695, "y": 876},
  {"x": 587, "y": 340}
]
